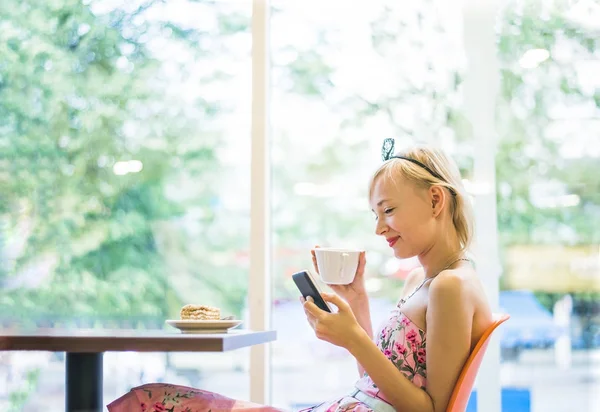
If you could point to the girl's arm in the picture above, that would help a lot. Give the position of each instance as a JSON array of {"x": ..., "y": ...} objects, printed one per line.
[{"x": 362, "y": 312}]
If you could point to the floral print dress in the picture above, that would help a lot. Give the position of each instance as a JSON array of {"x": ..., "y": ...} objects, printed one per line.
[
  {"x": 161, "y": 397},
  {"x": 399, "y": 339},
  {"x": 404, "y": 345}
]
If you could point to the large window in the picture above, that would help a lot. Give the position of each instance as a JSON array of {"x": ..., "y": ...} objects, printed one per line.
[
  {"x": 548, "y": 201},
  {"x": 124, "y": 129},
  {"x": 124, "y": 188}
]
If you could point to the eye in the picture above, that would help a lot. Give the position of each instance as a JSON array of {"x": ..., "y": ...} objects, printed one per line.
[{"x": 388, "y": 210}]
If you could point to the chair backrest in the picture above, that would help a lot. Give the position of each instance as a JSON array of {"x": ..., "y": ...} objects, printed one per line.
[{"x": 466, "y": 380}]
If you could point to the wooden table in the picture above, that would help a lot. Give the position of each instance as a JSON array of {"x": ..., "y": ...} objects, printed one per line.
[{"x": 84, "y": 349}]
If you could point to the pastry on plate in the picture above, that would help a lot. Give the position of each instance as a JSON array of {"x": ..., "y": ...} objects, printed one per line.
[{"x": 200, "y": 312}]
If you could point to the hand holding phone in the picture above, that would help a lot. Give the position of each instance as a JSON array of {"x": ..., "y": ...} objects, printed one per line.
[{"x": 308, "y": 287}]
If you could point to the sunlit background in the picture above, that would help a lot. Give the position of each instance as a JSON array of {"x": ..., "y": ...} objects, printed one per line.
[{"x": 125, "y": 191}]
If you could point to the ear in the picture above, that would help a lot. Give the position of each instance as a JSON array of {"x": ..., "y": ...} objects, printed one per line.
[{"x": 438, "y": 199}]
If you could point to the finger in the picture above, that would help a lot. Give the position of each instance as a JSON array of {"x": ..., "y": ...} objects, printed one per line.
[
  {"x": 311, "y": 319},
  {"x": 362, "y": 262},
  {"x": 304, "y": 306},
  {"x": 302, "y": 300},
  {"x": 314, "y": 256},
  {"x": 312, "y": 309},
  {"x": 341, "y": 304}
]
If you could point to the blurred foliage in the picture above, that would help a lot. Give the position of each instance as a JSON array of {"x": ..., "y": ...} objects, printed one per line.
[
  {"x": 528, "y": 157},
  {"x": 18, "y": 399},
  {"x": 82, "y": 88},
  {"x": 80, "y": 91},
  {"x": 528, "y": 153}
]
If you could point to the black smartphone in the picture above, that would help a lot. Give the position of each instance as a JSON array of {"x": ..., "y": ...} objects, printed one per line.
[{"x": 308, "y": 287}]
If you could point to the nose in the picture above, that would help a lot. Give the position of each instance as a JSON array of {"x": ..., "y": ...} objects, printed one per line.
[{"x": 380, "y": 227}]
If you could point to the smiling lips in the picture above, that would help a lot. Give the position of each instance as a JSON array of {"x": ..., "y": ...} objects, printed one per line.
[{"x": 392, "y": 240}]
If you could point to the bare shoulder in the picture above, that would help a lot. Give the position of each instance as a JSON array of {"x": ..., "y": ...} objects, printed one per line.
[
  {"x": 461, "y": 290},
  {"x": 455, "y": 286}
]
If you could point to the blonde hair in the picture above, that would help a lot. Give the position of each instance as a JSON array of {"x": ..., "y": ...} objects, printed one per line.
[{"x": 448, "y": 178}]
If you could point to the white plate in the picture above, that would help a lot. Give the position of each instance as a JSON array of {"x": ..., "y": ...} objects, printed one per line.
[{"x": 203, "y": 326}]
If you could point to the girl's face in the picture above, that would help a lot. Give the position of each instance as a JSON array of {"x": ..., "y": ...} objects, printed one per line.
[{"x": 404, "y": 215}]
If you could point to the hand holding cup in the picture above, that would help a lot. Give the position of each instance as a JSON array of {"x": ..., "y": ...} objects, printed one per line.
[{"x": 342, "y": 270}]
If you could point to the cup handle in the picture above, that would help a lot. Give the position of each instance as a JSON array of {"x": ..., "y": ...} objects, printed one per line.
[{"x": 344, "y": 256}]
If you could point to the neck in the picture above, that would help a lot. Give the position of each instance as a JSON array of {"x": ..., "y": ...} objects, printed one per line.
[{"x": 441, "y": 254}]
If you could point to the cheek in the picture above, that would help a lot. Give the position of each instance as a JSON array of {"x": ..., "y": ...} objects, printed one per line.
[
  {"x": 402, "y": 224},
  {"x": 399, "y": 224},
  {"x": 414, "y": 223},
  {"x": 422, "y": 213}
]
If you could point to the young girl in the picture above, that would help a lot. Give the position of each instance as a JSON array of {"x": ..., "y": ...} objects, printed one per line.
[{"x": 413, "y": 362}]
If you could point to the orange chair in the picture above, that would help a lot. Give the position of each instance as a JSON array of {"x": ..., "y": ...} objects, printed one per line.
[{"x": 466, "y": 380}]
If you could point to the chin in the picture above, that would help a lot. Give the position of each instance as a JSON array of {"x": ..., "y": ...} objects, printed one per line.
[{"x": 403, "y": 254}]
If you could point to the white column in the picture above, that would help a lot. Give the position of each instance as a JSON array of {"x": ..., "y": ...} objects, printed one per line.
[
  {"x": 480, "y": 94},
  {"x": 563, "y": 310},
  {"x": 259, "y": 289}
]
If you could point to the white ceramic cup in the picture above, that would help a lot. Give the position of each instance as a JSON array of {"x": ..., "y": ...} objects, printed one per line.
[{"x": 337, "y": 266}]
